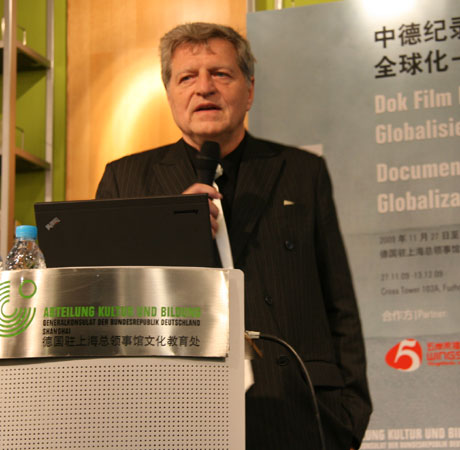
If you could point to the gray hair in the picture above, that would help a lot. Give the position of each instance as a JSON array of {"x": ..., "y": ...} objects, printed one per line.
[{"x": 200, "y": 33}]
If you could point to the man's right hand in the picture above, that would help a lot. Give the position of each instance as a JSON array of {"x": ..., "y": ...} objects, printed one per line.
[{"x": 200, "y": 188}]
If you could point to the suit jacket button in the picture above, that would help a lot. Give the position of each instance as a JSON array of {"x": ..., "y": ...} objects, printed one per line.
[
  {"x": 282, "y": 360},
  {"x": 268, "y": 300},
  {"x": 289, "y": 245}
]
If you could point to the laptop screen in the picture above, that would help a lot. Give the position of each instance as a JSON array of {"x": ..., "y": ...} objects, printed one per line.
[{"x": 152, "y": 231}]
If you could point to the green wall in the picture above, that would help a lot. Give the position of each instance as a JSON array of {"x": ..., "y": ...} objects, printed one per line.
[{"x": 30, "y": 106}]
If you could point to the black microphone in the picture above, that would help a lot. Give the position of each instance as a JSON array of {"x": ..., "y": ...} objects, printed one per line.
[{"x": 206, "y": 162}]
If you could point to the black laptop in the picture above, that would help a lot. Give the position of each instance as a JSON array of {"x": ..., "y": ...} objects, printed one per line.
[{"x": 153, "y": 231}]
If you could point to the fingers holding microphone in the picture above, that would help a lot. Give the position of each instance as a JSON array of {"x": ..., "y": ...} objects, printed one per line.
[
  {"x": 200, "y": 188},
  {"x": 206, "y": 163}
]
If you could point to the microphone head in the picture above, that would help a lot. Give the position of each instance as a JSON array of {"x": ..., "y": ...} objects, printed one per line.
[{"x": 206, "y": 162}]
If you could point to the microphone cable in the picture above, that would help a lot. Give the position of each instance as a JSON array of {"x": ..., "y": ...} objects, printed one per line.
[{"x": 306, "y": 376}]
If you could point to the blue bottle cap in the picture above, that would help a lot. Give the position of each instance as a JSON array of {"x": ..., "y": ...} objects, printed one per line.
[{"x": 26, "y": 232}]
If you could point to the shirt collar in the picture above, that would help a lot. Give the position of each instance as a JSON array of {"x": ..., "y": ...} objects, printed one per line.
[{"x": 229, "y": 163}]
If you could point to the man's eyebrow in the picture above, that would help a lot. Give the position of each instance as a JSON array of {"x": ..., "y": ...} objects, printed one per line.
[
  {"x": 183, "y": 72},
  {"x": 221, "y": 67},
  {"x": 209, "y": 69}
]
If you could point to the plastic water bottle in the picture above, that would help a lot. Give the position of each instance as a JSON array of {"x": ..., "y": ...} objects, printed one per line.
[{"x": 25, "y": 253}]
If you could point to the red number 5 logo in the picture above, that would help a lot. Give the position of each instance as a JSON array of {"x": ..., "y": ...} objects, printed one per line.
[{"x": 406, "y": 356}]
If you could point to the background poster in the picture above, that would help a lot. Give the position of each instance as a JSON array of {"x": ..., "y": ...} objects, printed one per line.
[{"x": 375, "y": 87}]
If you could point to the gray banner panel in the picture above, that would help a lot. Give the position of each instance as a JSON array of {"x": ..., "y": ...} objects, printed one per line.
[
  {"x": 374, "y": 86},
  {"x": 120, "y": 311}
]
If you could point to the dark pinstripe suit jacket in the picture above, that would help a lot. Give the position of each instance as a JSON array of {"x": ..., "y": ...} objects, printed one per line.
[{"x": 285, "y": 237}]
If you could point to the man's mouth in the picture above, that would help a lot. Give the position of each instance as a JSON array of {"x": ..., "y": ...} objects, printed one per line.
[{"x": 207, "y": 107}]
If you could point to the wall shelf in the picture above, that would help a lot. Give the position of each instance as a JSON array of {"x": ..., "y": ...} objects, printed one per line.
[
  {"x": 27, "y": 58},
  {"x": 26, "y": 162}
]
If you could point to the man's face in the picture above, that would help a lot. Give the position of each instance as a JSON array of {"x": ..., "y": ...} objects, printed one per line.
[{"x": 208, "y": 94}]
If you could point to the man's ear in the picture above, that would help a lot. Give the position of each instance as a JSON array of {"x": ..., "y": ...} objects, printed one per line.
[{"x": 251, "y": 94}]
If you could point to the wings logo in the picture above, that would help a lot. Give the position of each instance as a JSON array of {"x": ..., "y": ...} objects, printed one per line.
[
  {"x": 405, "y": 356},
  {"x": 14, "y": 320}
]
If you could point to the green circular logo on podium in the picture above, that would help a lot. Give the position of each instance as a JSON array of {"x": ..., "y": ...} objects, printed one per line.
[{"x": 15, "y": 320}]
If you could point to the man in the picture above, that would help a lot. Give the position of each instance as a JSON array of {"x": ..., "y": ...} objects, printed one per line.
[{"x": 284, "y": 236}]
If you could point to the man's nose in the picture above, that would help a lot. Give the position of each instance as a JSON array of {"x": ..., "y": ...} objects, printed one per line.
[{"x": 205, "y": 84}]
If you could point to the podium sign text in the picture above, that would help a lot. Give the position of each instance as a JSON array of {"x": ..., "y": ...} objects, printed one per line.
[{"x": 114, "y": 311}]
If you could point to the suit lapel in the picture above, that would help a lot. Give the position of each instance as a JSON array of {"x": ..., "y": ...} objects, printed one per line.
[
  {"x": 174, "y": 173},
  {"x": 258, "y": 173}
]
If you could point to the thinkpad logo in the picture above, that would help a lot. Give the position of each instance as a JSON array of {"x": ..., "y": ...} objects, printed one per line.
[{"x": 49, "y": 226}]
